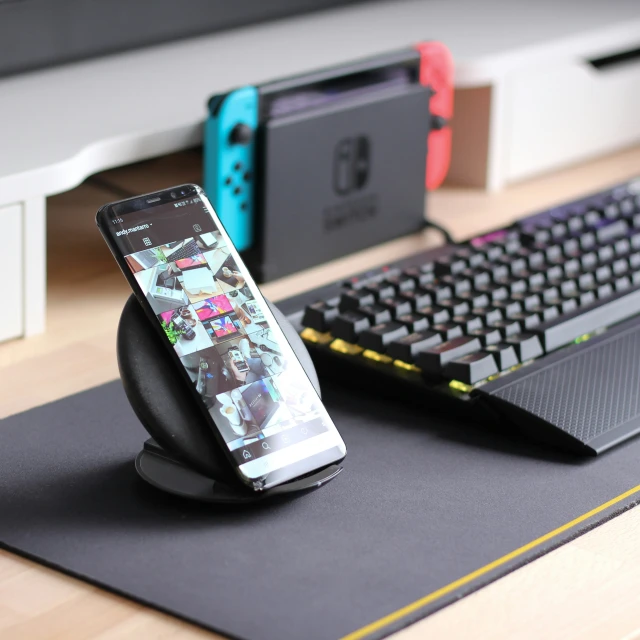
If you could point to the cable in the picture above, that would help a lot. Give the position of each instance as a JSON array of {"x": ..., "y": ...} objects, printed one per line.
[
  {"x": 99, "y": 181},
  {"x": 433, "y": 225}
]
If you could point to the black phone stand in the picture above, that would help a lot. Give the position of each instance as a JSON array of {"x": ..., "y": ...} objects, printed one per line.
[{"x": 182, "y": 456}]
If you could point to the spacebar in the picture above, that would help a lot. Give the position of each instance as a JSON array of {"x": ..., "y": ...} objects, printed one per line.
[{"x": 565, "y": 329}]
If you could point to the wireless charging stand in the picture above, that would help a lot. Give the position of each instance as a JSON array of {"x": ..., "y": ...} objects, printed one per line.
[{"x": 182, "y": 456}]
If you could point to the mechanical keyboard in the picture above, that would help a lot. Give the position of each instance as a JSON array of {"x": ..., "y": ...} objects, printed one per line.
[{"x": 533, "y": 328}]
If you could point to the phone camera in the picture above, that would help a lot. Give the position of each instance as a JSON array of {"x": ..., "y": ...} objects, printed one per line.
[
  {"x": 183, "y": 192},
  {"x": 174, "y": 195}
]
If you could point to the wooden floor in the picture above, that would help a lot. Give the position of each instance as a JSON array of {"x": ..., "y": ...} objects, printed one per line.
[{"x": 589, "y": 588}]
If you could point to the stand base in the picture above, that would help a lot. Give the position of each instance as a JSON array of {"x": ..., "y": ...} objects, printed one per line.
[{"x": 161, "y": 470}]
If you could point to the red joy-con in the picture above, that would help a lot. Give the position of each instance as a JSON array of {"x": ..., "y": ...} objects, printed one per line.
[{"x": 436, "y": 71}]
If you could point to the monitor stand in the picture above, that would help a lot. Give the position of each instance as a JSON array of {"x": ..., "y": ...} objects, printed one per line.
[{"x": 182, "y": 456}]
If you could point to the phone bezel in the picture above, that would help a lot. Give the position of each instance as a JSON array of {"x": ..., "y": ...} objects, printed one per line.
[{"x": 147, "y": 201}]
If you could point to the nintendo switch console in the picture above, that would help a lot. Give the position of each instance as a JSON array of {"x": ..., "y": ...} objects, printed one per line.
[{"x": 310, "y": 168}]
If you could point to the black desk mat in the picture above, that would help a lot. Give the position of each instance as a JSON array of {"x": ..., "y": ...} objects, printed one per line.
[{"x": 425, "y": 512}]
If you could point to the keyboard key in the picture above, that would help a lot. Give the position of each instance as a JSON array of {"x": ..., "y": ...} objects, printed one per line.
[
  {"x": 448, "y": 330},
  {"x": 349, "y": 325},
  {"x": 487, "y": 335},
  {"x": 619, "y": 266},
  {"x": 414, "y": 322},
  {"x": 504, "y": 355},
  {"x": 476, "y": 300},
  {"x": 401, "y": 282},
  {"x": 572, "y": 268},
  {"x": 527, "y": 346},
  {"x": 450, "y": 264},
  {"x": 433, "y": 360},
  {"x": 468, "y": 322},
  {"x": 605, "y": 254},
  {"x": 379, "y": 337},
  {"x": 456, "y": 306},
  {"x": 417, "y": 298},
  {"x": 435, "y": 314},
  {"x": 439, "y": 292},
  {"x": 381, "y": 290},
  {"x": 603, "y": 291},
  {"x": 355, "y": 298},
  {"x": 319, "y": 316},
  {"x": 508, "y": 308},
  {"x": 591, "y": 218},
  {"x": 507, "y": 327},
  {"x": 622, "y": 284},
  {"x": 586, "y": 298},
  {"x": 406, "y": 349},
  {"x": 397, "y": 306},
  {"x": 527, "y": 319},
  {"x": 488, "y": 315},
  {"x": 418, "y": 276},
  {"x": 622, "y": 247},
  {"x": 564, "y": 330},
  {"x": 458, "y": 284},
  {"x": 608, "y": 231},
  {"x": 376, "y": 313},
  {"x": 471, "y": 368}
]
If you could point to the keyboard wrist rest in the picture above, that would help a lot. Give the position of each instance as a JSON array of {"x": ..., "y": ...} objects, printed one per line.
[{"x": 585, "y": 398}]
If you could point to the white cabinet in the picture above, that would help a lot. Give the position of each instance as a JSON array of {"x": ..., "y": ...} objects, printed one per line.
[{"x": 12, "y": 287}]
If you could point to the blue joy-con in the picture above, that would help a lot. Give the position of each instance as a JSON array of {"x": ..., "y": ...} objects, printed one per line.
[{"x": 229, "y": 156}]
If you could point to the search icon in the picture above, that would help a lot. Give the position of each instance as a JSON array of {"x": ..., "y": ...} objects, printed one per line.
[{"x": 265, "y": 445}]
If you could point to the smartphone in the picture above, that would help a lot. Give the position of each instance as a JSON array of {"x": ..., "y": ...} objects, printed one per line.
[
  {"x": 177, "y": 231},
  {"x": 238, "y": 360}
]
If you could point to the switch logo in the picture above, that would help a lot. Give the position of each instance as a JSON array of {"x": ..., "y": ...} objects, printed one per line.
[{"x": 351, "y": 165}]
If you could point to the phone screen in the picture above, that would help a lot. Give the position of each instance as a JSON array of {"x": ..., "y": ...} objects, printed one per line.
[{"x": 255, "y": 392}]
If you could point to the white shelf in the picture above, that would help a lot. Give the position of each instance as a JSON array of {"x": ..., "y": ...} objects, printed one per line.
[{"x": 60, "y": 125}]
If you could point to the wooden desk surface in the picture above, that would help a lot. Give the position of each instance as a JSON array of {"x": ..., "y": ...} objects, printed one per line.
[{"x": 589, "y": 588}]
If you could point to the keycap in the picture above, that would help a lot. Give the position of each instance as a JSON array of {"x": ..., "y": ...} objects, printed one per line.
[
  {"x": 605, "y": 254},
  {"x": 527, "y": 319},
  {"x": 487, "y": 335},
  {"x": 488, "y": 315},
  {"x": 566, "y": 329},
  {"x": 418, "y": 276},
  {"x": 407, "y": 348},
  {"x": 439, "y": 292},
  {"x": 448, "y": 330},
  {"x": 508, "y": 308},
  {"x": 456, "y": 306},
  {"x": 468, "y": 322},
  {"x": 377, "y": 338},
  {"x": 619, "y": 266},
  {"x": 471, "y": 368},
  {"x": 432, "y": 360},
  {"x": 376, "y": 313},
  {"x": 319, "y": 316},
  {"x": 435, "y": 314},
  {"x": 354, "y": 298},
  {"x": 606, "y": 232},
  {"x": 507, "y": 327},
  {"x": 418, "y": 297},
  {"x": 450, "y": 264},
  {"x": 401, "y": 282},
  {"x": 527, "y": 346},
  {"x": 414, "y": 322},
  {"x": 349, "y": 325},
  {"x": 622, "y": 283},
  {"x": 504, "y": 355},
  {"x": 381, "y": 289},
  {"x": 397, "y": 306}
]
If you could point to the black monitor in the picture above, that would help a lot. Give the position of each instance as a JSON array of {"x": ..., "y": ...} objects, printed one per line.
[{"x": 40, "y": 33}]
